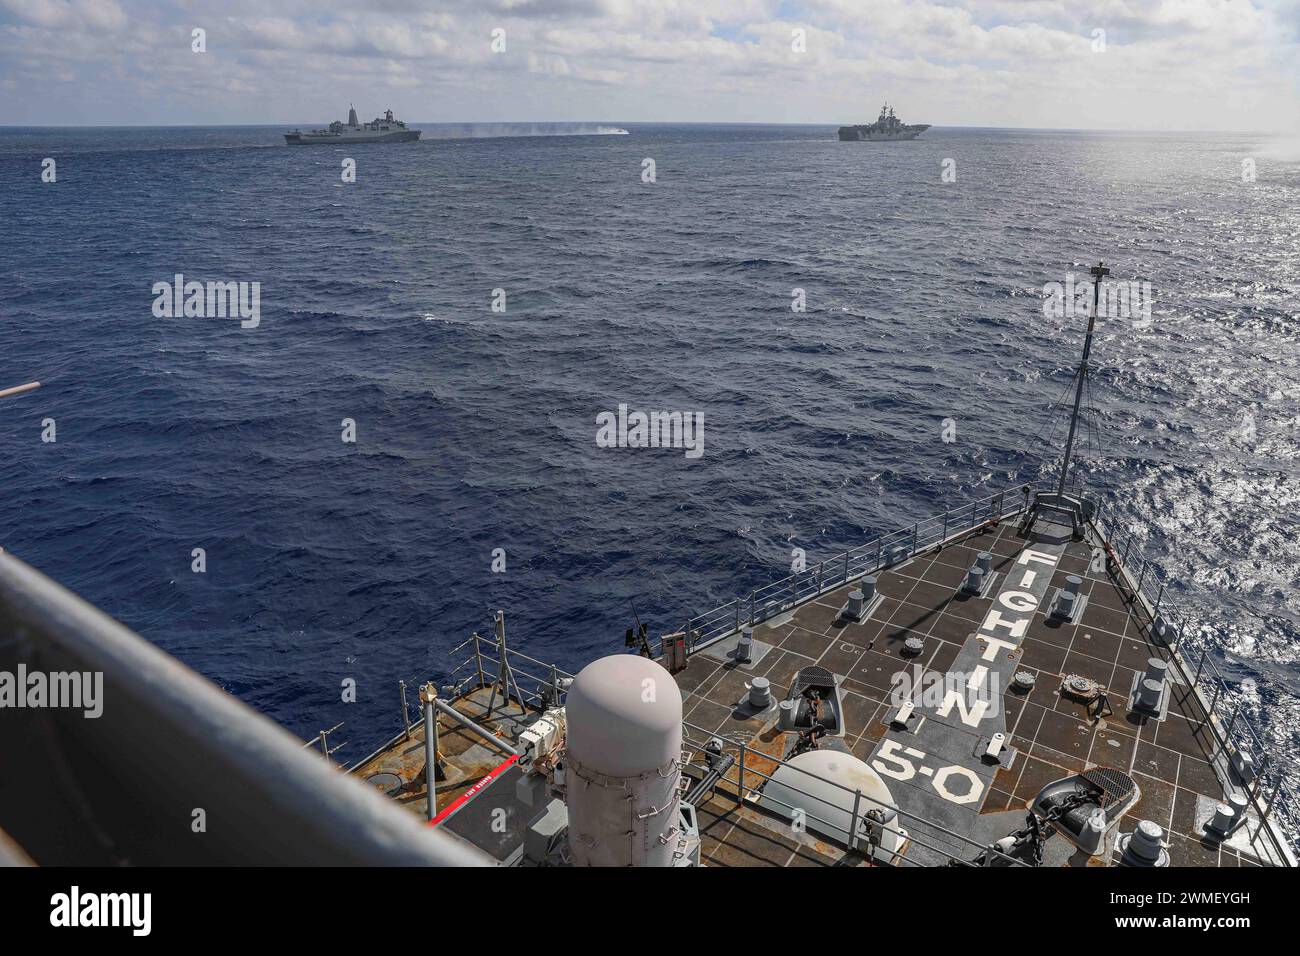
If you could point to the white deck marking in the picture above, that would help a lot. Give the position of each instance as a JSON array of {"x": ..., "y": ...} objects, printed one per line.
[{"x": 1002, "y": 630}]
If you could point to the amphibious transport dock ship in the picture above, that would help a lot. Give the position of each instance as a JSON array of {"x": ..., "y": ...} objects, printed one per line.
[
  {"x": 1007, "y": 683},
  {"x": 384, "y": 129},
  {"x": 886, "y": 127}
]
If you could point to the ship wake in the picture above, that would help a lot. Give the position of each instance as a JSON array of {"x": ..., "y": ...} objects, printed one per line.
[{"x": 503, "y": 130}]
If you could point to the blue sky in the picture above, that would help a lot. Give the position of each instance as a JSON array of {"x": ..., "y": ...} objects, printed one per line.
[{"x": 1160, "y": 64}]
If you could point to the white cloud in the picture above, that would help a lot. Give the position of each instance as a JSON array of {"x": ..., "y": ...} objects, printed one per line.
[
  {"x": 72, "y": 15},
  {"x": 1168, "y": 63}
]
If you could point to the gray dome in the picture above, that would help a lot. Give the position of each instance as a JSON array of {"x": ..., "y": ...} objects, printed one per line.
[
  {"x": 624, "y": 716},
  {"x": 807, "y": 781}
]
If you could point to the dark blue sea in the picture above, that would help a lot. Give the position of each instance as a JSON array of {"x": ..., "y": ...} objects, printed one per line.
[{"x": 476, "y": 429}]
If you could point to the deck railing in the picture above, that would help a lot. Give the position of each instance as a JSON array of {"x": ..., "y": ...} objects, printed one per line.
[
  {"x": 1145, "y": 584},
  {"x": 745, "y": 760},
  {"x": 486, "y": 664},
  {"x": 1267, "y": 792},
  {"x": 1232, "y": 731},
  {"x": 878, "y": 554},
  {"x": 483, "y": 668}
]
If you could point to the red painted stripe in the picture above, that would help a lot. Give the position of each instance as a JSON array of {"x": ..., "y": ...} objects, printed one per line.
[{"x": 473, "y": 791}]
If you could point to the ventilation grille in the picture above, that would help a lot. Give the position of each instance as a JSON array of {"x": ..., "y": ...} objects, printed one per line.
[
  {"x": 1117, "y": 787},
  {"x": 812, "y": 677}
]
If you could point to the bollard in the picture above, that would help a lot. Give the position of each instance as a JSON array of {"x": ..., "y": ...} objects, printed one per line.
[
  {"x": 855, "y": 605},
  {"x": 745, "y": 646},
  {"x": 1149, "y": 693},
  {"x": 1145, "y": 846}
]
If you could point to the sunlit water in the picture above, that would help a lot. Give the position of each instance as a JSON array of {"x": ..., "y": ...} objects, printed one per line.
[{"x": 476, "y": 430}]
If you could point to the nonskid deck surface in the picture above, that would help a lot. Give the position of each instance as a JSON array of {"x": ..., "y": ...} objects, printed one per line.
[
  {"x": 1170, "y": 760},
  {"x": 468, "y": 760}
]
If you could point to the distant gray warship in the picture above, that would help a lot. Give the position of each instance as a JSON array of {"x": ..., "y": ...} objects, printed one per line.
[
  {"x": 385, "y": 130},
  {"x": 886, "y": 127}
]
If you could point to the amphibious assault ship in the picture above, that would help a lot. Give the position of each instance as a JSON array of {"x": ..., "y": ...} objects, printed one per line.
[
  {"x": 1007, "y": 683},
  {"x": 886, "y": 127},
  {"x": 384, "y": 129}
]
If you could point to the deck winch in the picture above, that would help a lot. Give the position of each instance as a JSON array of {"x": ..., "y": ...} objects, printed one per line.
[{"x": 1086, "y": 805}]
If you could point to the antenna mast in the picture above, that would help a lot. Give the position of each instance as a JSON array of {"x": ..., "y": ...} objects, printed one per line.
[{"x": 1098, "y": 272}]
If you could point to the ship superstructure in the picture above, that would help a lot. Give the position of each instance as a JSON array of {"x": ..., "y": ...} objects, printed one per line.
[
  {"x": 886, "y": 127},
  {"x": 384, "y": 129}
]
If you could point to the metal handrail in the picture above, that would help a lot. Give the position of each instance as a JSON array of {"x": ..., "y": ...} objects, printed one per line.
[
  {"x": 1146, "y": 582},
  {"x": 744, "y": 766},
  {"x": 1143, "y": 578},
  {"x": 877, "y": 554},
  {"x": 1151, "y": 579},
  {"x": 489, "y": 655}
]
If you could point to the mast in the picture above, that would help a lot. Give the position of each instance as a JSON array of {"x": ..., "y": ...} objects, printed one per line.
[{"x": 1098, "y": 272}]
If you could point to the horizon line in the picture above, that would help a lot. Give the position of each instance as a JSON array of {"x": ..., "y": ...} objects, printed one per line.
[{"x": 630, "y": 123}]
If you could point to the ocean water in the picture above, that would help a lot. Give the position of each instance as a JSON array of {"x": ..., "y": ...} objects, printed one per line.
[{"x": 476, "y": 429}]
